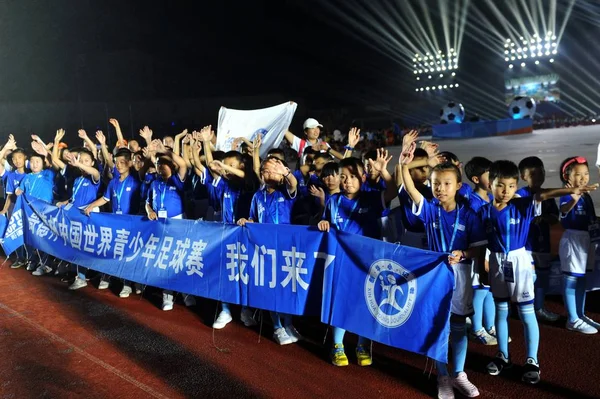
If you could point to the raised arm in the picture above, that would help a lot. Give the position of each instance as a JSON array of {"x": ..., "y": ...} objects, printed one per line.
[
  {"x": 90, "y": 170},
  {"x": 256, "y": 154},
  {"x": 177, "y": 142},
  {"x": 353, "y": 139},
  {"x": 380, "y": 165},
  {"x": 199, "y": 169},
  {"x": 146, "y": 134},
  {"x": 548, "y": 193},
  {"x": 92, "y": 146},
  {"x": 277, "y": 167},
  {"x": 117, "y": 127},
  {"x": 105, "y": 153},
  {"x": 409, "y": 184},
  {"x": 181, "y": 165},
  {"x": 10, "y": 145},
  {"x": 56, "y": 161}
]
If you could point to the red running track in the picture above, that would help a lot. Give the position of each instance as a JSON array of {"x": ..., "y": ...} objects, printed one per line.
[{"x": 92, "y": 344}]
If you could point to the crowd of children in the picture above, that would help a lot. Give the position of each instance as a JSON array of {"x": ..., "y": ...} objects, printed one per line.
[{"x": 496, "y": 235}]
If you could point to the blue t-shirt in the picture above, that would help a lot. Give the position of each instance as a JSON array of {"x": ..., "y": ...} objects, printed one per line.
[
  {"x": 368, "y": 185},
  {"x": 303, "y": 182},
  {"x": 85, "y": 191},
  {"x": 360, "y": 215},
  {"x": 476, "y": 202},
  {"x": 146, "y": 184},
  {"x": 13, "y": 180},
  {"x": 214, "y": 187},
  {"x": 235, "y": 201},
  {"x": 167, "y": 195},
  {"x": 517, "y": 216},
  {"x": 465, "y": 191},
  {"x": 581, "y": 216},
  {"x": 538, "y": 239},
  {"x": 124, "y": 196},
  {"x": 458, "y": 229},
  {"x": 411, "y": 222},
  {"x": 273, "y": 208},
  {"x": 39, "y": 185}
]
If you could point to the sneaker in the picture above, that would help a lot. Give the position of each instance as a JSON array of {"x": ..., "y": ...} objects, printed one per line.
[
  {"x": 499, "y": 363},
  {"x": 363, "y": 356},
  {"x": 223, "y": 319},
  {"x": 189, "y": 300},
  {"x": 18, "y": 263},
  {"x": 338, "y": 356},
  {"x": 581, "y": 326},
  {"x": 468, "y": 323},
  {"x": 125, "y": 292},
  {"x": 247, "y": 317},
  {"x": 167, "y": 302},
  {"x": 591, "y": 322},
  {"x": 293, "y": 333},
  {"x": 139, "y": 288},
  {"x": 492, "y": 332},
  {"x": 41, "y": 270},
  {"x": 445, "y": 390},
  {"x": 30, "y": 266},
  {"x": 281, "y": 337},
  {"x": 546, "y": 315},
  {"x": 464, "y": 386},
  {"x": 531, "y": 372},
  {"x": 77, "y": 284},
  {"x": 483, "y": 337},
  {"x": 103, "y": 283}
]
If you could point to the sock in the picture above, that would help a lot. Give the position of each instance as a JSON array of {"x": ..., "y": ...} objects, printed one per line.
[
  {"x": 478, "y": 299},
  {"x": 569, "y": 288},
  {"x": 225, "y": 307},
  {"x": 532, "y": 331},
  {"x": 458, "y": 340},
  {"x": 276, "y": 320},
  {"x": 489, "y": 311},
  {"x": 580, "y": 294},
  {"x": 338, "y": 335},
  {"x": 502, "y": 327},
  {"x": 541, "y": 286}
]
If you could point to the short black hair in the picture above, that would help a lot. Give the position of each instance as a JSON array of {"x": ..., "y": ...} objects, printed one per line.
[
  {"x": 234, "y": 154},
  {"x": 448, "y": 167},
  {"x": 531, "y": 163},
  {"x": 36, "y": 155},
  {"x": 218, "y": 155},
  {"x": 504, "y": 170},
  {"x": 420, "y": 153},
  {"x": 276, "y": 151},
  {"x": 565, "y": 172},
  {"x": 18, "y": 150},
  {"x": 124, "y": 152},
  {"x": 330, "y": 169},
  {"x": 354, "y": 165},
  {"x": 450, "y": 156},
  {"x": 323, "y": 155},
  {"x": 476, "y": 167}
]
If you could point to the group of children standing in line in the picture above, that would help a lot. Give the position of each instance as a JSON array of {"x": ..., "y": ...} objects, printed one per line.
[{"x": 492, "y": 232}]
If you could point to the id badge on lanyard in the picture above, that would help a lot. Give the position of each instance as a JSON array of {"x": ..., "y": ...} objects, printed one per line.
[{"x": 508, "y": 271}]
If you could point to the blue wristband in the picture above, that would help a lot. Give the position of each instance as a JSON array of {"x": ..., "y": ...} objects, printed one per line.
[{"x": 347, "y": 147}]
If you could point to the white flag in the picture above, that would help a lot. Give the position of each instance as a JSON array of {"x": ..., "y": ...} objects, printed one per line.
[{"x": 271, "y": 122}]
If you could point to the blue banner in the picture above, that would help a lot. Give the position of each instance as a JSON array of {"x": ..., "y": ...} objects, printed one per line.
[{"x": 396, "y": 295}]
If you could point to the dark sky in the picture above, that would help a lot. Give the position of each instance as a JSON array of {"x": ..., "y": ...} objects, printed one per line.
[{"x": 111, "y": 50}]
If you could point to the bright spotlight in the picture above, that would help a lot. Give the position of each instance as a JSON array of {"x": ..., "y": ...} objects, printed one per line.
[
  {"x": 553, "y": 51},
  {"x": 421, "y": 89},
  {"x": 429, "y": 77},
  {"x": 535, "y": 35},
  {"x": 537, "y": 62},
  {"x": 512, "y": 58},
  {"x": 440, "y": 87},
  {"x": 522, "y": 64},
  {"x": 511, "y": 66},
  {"x": 519, "y": 50},
  {"x": 507, "y": 40},
  {"x": 415, "y": 72},
  {"x": 416, "y": 89},
  {"x": 441, "y": 75},
  {"x": 593, "y": 120},
  {"x": 418, "y": 78},
  {"x": 443, "y": 68},
  {"x": 551, "y": 59},
  {"x": 506, "y": 45},
  {"x": 506, "y": 59},
  {"x": 505, "y": 51},
  {"x": 532, "y": 41},
  {"x": 540, "y": 54},
  {"x": 456, "y": 85},
  {"x": 427, "y": 88},
  {"x": 547, "y": 53},
  {"x": 553, "y": 37},
  {"x": 445, "y": 86},
  {"x": 453, "y": 73}
]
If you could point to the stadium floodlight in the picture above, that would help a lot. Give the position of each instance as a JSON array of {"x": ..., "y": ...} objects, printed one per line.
[
  {"x": 506, "y": 59},
  {"x": 416, "y": 89},
  {"x": 537, "y": 62},
  {"x": 540, "y": 54},
  {"x": 532, "y": 41},
  {"x": 519, "y": 50},
  {"x": 512, "y": 58},
  {"x": 451, "y": 86},
  {"x": 445, "y": 86},
  {"x": 510, "y": 66},
  {"x": 427, "y": 88},
  {"x": 443, "y": 68},
  {"x": 553, "y": 37},
  {"x": 525, "y": 56},
  {"x": 512, "y": 51},
  {"x": 518, "y": 57},
  {"x": 438, "y": 69},
  {"x": 421, "y": 89},
  {"x": 418, "y": 78},
  {"x": 553, "y": 51},
  {"x": 522, "y": 64},
  {"x": 547, "y": 53},
  {"x": 453, "y": 73},
  {"x": 415, "y": 72},
  {"x": 507, "y": 40},
  {"x": 551, "y": 59},
  {"x": 429, "y": 76},
  {"x": 505, "y": 51},
  {"x": 456, "y": 85},
  {"x": 441, "y": 75}
]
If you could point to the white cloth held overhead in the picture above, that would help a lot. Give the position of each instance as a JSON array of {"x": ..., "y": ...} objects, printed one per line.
[{"x": 271, "y": 122}]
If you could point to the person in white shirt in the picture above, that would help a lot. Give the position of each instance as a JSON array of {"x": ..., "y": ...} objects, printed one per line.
[{"x": 311, "y": 132}]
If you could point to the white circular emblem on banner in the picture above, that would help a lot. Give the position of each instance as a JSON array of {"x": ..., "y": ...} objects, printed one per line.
[{"x": 390, "y": 293}]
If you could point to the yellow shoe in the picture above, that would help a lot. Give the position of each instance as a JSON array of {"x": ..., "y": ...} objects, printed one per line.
[
  {"x": 363, "y": 356},
  {"x": 338, "y": 357}
]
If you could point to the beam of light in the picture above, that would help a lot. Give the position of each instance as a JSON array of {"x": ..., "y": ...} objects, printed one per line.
[
  {"x": 445, "y": 26},
  {"x": 552, "y": 16},
  {"x": 515, "y": 8},
  {"x": 513, "y": 32},
  {"x": 540, "y": 14},
  {"x": 565, "y": 20},
  {"x": 432, "y": 35},
  {"x": 461, "y": 26}
]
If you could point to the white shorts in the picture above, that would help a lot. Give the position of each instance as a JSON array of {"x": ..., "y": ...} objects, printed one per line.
[
  {"x": 415, "y": 240},
  {"x": 475, "y": 275},
  {"x": 519, "y": 289},
  {"x": 462, "y": 296},
  {"x": 577, "y": 252}
]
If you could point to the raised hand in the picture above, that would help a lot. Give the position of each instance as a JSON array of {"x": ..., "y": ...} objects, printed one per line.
[
  {"x": 146, "y": 133},
  {"x": 158, "y": 145},
  {"x": 11, "y": 143},
  {"x": 409, "y": 138},
  {"x": 39, "y": 148},
  {"x": 383, "y": 158},
  {"x": 205, "y": 133},
  {"x": 114, "y": 122},
  {"x": 585, "y": 189},
  {"x": 435, "y": 160},
  {"x": 257, "y": 142},
  {"x": 100, "y": 137},
  {"x": 408, "y": 153},
  {"x": 353, "y": 137},
  {"x": 82, "y": 134},
  {"x": 182, "y": 134},
  {"x": 430, "y": 147},
  {"x": 275, "y": 166},
  {"x": 318, "y": 192},
  {"x": 60, "y": 134},
  {"x": 187, "y": 139}
]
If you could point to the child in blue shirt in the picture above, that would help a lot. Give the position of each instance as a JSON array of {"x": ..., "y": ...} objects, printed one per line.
[
  {"x": 356, "y": 211},
  {"x": 507, "y": 220},
  {"x": 483, "y": 330},
  {"x": 465, "y": 190},
  {"x": 578, "y": 243},
  {"x": 538, "y": 240},
  {"x": 273, "y": 203},
  {"x": 454, "y": 228}
]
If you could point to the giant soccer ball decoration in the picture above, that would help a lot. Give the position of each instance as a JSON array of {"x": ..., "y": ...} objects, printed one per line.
[
  {"x": 453, "y": 112},
  {"x": 522, "y": 108}
]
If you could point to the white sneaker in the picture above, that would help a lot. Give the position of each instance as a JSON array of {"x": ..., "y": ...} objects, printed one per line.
[
  {"x": 293, "y": 333},
  {"x": 125, "y": 292},
  {"x": 247, "y": 317},
  {"x": 492, "y": 332},
  {"x": 445, "y": 390},
  {"x": 281, "y": 337},
  {"x": 546, "y": 315},
  {"x": 581, "y": 327},
  {"x": 591, "y": 322},
  {"x": 139, "y": 288},
  {"x": 483, "y": 337},
  {"x": 167, "y": 301},
  {"x": 77, "y": 284},
  {"x": 103, "y": 283},
  {"x": 464, "y": 386},
  {"x": 223, "y": 319},
  {"x": 189, "y": 300},
  {"x": 41, "y": 270}
]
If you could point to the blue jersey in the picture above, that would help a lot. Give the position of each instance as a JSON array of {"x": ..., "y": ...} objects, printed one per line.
[
  {"x": 39, "y": 185},
  {"x": 85, "y": 191},
  {"x": 303, "y": 182},
  {"x": 581, "y": 216},
  {"x": 198, "y": 189},
  {"x": 458, "y": 229},
  {"x": 235, "y": 202},
  {"x": 411, "y": 222},
  {"x": 13, "y": 180},
  {"x": 370, "y": 186},
  {"x": 167, "y": 196},
  {"x": 124, "y": 196},
  {"x": 214, "y": 187},
  {"x": 465, "y": 191},
  {"x": 275, "y": 207},
  {"x": 476, "y": 202},
  {"x": 538, "y": 239},
  {"x": 360, "y": 215},
  {"x": 508, "y": 229},
  {"x": 146, "y": 184}
]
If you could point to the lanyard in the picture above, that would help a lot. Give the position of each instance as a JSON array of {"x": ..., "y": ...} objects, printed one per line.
[
  {"x": 162, "y": 195},
  {"x": 76, "y": 189},
  {"x": 276, "y": 217},
  {"x": 442, "y": 238},
  {"x": 121, "y": 193},
  {"x": 506, "y": 249},
  {"x": 337, "y": 213}
]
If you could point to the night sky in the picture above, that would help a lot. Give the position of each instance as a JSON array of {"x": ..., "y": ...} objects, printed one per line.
[{"x": 130, "y": 50}]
